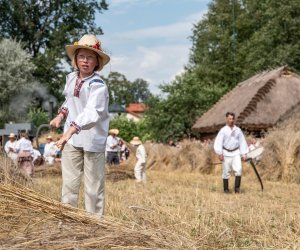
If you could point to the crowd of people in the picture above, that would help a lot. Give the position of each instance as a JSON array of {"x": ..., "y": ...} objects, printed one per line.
[
  {"x": 22, "y": 152},
  {"x": 26, "y": 155}
]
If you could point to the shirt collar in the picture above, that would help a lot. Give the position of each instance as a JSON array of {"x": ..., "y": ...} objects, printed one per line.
[{"x": 86, "y": 78}]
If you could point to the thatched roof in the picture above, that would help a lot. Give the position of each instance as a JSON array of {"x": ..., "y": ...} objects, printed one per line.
[{"x": 259, "y": 102}]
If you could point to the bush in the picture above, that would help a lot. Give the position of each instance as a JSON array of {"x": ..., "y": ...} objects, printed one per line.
[
  {"x": 128, "y": 128},
  {"x": 38, "y": 116}
]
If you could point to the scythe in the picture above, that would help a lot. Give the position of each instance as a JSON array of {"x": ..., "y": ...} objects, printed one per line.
[{"x": 252, "y": 155}]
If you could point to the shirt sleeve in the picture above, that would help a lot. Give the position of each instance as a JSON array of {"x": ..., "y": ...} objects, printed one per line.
[
  {"x": 95, "y": 109},
  {"x": 6, "y": 148},
  {"x": 218, "y": 144}
]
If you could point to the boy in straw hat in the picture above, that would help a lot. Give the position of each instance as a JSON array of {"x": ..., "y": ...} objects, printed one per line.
[
  {"x": 10, "y": 147},
  {"x": 85, "y": 112},
  {"x": 141, "y": 156}
]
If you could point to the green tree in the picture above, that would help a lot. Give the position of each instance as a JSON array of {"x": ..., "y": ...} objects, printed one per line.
[
  {"x": 234, "y": 40},
  {"x": 140, "y": 90},
  {"x": 123, "y": 92},
  {"x": 44, "y": 27},
  {"x": 38, "y": 116},
  {"x": 15, "y": 74},
  {"x": 173, "y": 117},
  {"x": 126, "y": 127}
]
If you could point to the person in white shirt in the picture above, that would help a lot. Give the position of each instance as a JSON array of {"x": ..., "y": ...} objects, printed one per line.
[
  {"x": 141, "y": 156},
  {"x": 112, "y": 147},
  {"x": 10, "y": 147},
  {"x": 85, "y": 111},
  {"x": 230, "y": 144},
  {"x": 38, "y": 159},
  {"x": 25, "y": 152},
  {"x": 50, "y": 151}
]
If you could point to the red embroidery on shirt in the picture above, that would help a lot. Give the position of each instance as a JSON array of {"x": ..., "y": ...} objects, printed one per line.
[
  {"x": 78, "y": 86},
  {"x": 75, "y": 125}
]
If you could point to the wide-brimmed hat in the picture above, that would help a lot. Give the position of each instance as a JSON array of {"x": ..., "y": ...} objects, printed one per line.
[
  {"x": 12, "y": 135},
  {"x": 88, "y": 42},
  {"x": 136, "y": 141},
  {"x": 114, "y": 131},
  {"x": 49, "y": 137}
]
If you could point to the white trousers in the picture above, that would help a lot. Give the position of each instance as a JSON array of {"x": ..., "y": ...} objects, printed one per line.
[
  {"x": 75, "y": 162},
  {"x": 232, "y": 163},
  {"x": 140, "y": 171}
]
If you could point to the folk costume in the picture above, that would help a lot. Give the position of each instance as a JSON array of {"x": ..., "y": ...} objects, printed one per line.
[
  {"x": 112, "y": 148},
  {"x": 231, "y": 143},
  {"x": 86, "y": 109},
  {"x": 141, "y": 156},
  {"x": 10, "y": 148},
  {"x": 50, "y": 151},
  {"x": 25, "y": 152}
]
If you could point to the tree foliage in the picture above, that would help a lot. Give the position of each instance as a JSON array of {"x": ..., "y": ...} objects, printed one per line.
[
  {"x": 44, "y": 27},
  {"x": 234, "y": 40},
  {"x": 37, "y": 116},
  {"x": 15, "y": 74},
  {"x": 128, "y": 128},
  {"x": 123, "y": 92}
]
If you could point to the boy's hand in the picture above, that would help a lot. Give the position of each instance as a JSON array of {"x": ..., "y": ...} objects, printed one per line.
[{"x": 56, "y": 121}]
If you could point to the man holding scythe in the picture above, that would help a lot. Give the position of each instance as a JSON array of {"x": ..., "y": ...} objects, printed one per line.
[{"x": 230, "y": 144}]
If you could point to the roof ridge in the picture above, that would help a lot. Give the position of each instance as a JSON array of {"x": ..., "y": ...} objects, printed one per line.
[
  {"x": 259, "y": 74},
  {"x": 259, "y": 96}
]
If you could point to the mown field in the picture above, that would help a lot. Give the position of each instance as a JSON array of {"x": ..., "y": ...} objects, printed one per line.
[
  {"x": 193, "y": 208},
  {"x": 182, "y": 206}
]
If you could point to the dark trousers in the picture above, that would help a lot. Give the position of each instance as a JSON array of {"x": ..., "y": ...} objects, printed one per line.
[{"x": 112, "y": 158}]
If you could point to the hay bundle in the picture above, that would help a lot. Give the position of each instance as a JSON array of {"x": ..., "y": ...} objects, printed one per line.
[
  {"x": 280, "y": 160},
  {"x": 10, "y": 173},
  {"x": 118, "y": 173},
  {"x": 189, "y": 156},
  {"x": 31, "y": 220}
]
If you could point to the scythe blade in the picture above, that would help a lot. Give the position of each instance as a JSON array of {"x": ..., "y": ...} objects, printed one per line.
[{"x": 257, "y": 174}]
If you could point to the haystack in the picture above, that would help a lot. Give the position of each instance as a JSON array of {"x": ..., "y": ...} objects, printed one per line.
[
  {"x": 188, "y": 156},
  {"x": 280, "y": 160}
]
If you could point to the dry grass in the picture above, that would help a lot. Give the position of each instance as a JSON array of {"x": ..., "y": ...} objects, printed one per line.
[
  {"x": 182, "y": 206},
  {"x": 32, "y": 220},
  {"x": 196, "y": 213}
]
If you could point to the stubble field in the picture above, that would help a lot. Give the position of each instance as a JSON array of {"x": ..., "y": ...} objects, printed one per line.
[{"x": 193, "y": 208}]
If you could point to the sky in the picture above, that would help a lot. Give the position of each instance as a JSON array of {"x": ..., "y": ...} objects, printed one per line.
[{"x": 149, "y": 39}]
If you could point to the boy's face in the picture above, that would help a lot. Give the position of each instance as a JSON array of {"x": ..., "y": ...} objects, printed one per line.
[{"x": 86, "y": 61}]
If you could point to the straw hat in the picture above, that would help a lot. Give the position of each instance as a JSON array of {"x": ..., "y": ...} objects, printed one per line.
[
  {"x": 136, "y": 141},
  {"x": 88, "y": 42},
  {"x": 12, "y": 135},
  {"x": 114, "y": 131},
  {"x": 49, "y": 137}
]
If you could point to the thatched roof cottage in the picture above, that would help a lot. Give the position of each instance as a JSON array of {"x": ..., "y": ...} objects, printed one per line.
[{"x": 259, "y": 102}]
